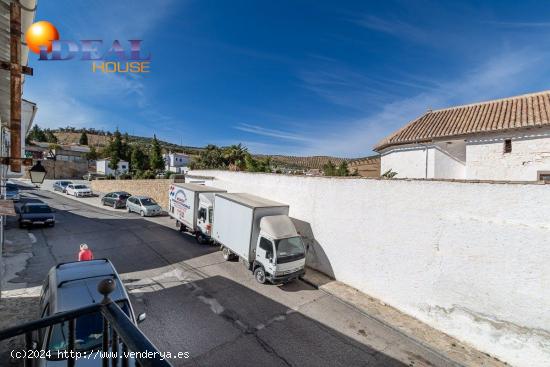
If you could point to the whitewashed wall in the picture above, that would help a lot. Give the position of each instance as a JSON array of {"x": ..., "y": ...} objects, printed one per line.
[
  {"x": 530, "y": 154},
  {"x": 469, "y": 259},
  {"x": 408, "y": 161}
]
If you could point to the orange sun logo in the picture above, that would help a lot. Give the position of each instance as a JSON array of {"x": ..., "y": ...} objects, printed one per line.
[{"x": 41, "y": 34}]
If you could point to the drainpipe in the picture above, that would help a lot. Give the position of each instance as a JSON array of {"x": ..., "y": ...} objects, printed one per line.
[{"x": 426, "y": 173}]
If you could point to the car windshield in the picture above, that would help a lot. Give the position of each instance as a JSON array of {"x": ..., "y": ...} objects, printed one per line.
[
  {"x": 89, "y": 332},
  {"x": 38, "y": 209},
  {"x": 64, "y": 183},
  {"x": 80, "y": 187},
  {"x": 148, "y": 202},
  {"x": 123, "y": 196},
  {"x": 289, "y": 249}
]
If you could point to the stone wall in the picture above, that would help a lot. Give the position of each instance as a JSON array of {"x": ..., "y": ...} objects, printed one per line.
[
  {"x": 470, "y": 259},
  {"x": 56, "y": 170},
  {"x": 157, "y": 189}
]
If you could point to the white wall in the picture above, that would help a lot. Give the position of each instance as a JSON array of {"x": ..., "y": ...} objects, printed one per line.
[
  {"x": 530, "y": 154},
  {"x": 470, "y": 259},
  {"x": 407, "y": 161},
  {"x": 450, "y": 159},
  {"x": 102, "y": 166}
]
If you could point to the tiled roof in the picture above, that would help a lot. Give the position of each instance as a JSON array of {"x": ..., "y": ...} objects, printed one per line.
[{"x": 501, "y": 114}]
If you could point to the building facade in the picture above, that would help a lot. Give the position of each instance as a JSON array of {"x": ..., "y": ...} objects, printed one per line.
[
  {"x": 506, "y": 139},
  {"x": 102, "y": 167},
  {"x": 176, "y": 162}
]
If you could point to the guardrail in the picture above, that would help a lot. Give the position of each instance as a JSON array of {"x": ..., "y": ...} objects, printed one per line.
[{"x": 118, "y": 331}]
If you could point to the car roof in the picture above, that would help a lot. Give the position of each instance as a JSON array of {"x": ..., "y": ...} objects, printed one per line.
[
  {"x": 75, "y": 284},
  {"x": 36, "y": 204},
  {"x": 141, "y": 197},
  {"x": 120, "y": 193}
]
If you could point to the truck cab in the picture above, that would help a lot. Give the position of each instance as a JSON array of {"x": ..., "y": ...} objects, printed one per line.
[
  {"x": 280, "y": 252},
  {"x": 205, "y": 214}
]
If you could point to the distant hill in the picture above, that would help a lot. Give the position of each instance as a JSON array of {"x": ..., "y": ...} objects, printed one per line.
[
  {"x": 101, "y": 139},
  {"x": 313, "y": 162}
]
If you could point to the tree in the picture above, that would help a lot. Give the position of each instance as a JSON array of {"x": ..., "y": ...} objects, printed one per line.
[
  {"x": 342, "y": 169},
  {"x": 92, "y": 155},
  {"x": 37, "y": 134},
  {"x": 115, "y": 150},
  {"x": 138, "y": 161},
  {"x": 156, "y": 160},
  {"x": 235, "y": 155},
  {"x": 83, "y": 138},
  {"x": 329, "y": 169},
  {"x": 50, "y": 137}
]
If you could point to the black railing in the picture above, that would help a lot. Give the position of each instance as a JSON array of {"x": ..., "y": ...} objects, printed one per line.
[{"x": 123, "y": 333}]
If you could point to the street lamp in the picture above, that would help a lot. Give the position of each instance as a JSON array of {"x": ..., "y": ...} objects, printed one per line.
[{"x": 37, "y": 173}]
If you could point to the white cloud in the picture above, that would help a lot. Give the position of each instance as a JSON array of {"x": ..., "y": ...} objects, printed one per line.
[{"x": 279, "y": 134}]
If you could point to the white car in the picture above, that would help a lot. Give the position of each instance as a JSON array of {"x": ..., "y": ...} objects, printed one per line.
[{"x": 78, "y": 190}]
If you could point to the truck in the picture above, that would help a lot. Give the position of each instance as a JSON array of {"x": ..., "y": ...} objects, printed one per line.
[
  {"x": 260, "y": 233},
  {"x": 191, "y": 206}
]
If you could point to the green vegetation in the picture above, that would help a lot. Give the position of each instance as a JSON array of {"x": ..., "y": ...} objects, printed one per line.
[
  {"x": 330, "y": 169},
  {"x": 234, "y": 158},
  {"x": 83, "y": 138}
]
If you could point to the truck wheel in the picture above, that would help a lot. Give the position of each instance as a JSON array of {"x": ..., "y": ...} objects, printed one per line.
[
  {"x": 259, "y": 274},
  {"x": 200, "y": 238},
  {"x": 226, "y": 254},
  {"x": 183, "y": 227}
]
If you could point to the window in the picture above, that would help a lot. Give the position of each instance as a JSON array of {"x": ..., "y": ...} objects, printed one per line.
[
  {"x": 266, "y": 245},
  {"x": 289, "y": 249},
  {"x": 202, "y": 213},
  {"x": 508, "y": 146},
  {"x": 544, "y": 176}
]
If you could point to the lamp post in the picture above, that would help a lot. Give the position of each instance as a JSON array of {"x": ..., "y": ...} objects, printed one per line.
[{"x": 37, "y": 173}]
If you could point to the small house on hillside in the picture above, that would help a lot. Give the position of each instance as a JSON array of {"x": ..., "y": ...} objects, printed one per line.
[
  {"x": 503, "y": 139},
  {"x": 176, "y": 162},
  {"x": 102, "y": 167}
]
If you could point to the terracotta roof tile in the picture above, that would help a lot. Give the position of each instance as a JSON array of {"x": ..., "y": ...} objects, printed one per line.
[{"x": 501, "y": 114}]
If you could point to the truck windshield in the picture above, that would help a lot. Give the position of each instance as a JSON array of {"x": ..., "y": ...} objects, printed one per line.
[{"x": 289, "y": 249}]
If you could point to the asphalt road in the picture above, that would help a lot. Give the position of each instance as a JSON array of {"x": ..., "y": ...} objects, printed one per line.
[{"x": 198, "y": 303}]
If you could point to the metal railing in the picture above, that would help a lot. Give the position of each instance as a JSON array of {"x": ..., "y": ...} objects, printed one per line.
[{"x": 118, "y": 331}]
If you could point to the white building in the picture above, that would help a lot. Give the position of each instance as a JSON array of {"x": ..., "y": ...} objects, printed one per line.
[
  {"x": 505, "y": 139},
  {"x": 176, "y": 162},
  {"x": 102, "y": 167}
]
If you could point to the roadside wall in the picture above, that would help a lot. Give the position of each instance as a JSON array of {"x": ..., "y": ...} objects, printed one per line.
[
  {"x": 157, "y": 189},
  {"x": 470, "y": 259},
  {"x": 62, "y": 169}
]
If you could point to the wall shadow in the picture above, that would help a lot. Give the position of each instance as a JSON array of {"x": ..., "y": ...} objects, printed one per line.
[{"x": 316, "y": 257}]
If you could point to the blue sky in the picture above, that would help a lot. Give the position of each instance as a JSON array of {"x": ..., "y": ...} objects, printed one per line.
[{"x": 289, "y": 77}]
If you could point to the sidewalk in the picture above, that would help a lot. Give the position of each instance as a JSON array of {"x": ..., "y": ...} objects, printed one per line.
[{"x": 416, "y": 330}]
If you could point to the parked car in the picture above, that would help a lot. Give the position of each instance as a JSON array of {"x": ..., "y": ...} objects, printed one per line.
[
  {"x": 12, "y": 192},
  {"x": 36, "y": 213},
  {"x": 70, "y": 286},
  {"x": 78, "y": 190},
  {"x": 61, "y": 185},
  {"x": 115, "y": 199},
  {"x": 144, "y": 205}
]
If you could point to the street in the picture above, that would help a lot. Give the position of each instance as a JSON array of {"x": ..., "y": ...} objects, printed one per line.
[{"x": 198, "y": 303}]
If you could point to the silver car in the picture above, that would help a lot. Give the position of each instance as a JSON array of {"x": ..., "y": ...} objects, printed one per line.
[
  {"x": 144, "y": 205},
  {"x": 71, "y": 286}
]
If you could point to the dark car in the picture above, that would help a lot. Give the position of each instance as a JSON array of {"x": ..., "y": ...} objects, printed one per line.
[
  {"x": 61, "y": 185},
  {"x": 116, "y": 199},
  {"x": 12, "y": 192},
  {"x": 36, "y": 213}
]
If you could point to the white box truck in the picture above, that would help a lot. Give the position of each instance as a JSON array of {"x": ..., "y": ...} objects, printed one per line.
[
  {"x": 191, "y": 206},
  {"x": 260, "y": 232}
]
